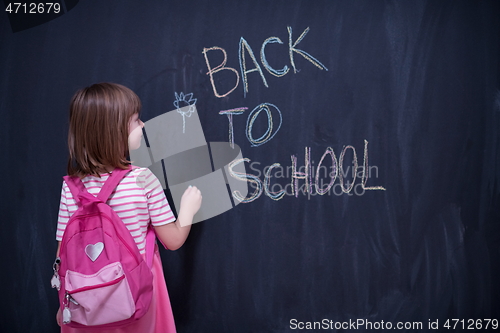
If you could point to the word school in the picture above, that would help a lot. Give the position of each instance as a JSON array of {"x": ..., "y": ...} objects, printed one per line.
[{"x": 306, "y": 176}]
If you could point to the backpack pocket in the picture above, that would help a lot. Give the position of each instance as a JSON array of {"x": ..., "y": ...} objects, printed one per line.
[{"x": 100, "y": 298}]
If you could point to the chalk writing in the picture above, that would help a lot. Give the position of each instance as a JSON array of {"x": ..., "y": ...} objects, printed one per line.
[
  {"x": 319, "y": 190},
  {"x": 305, "y": 173},
  {"x": 230, "y": 114},
  {"x": 271, "y": 70},
  {"x": 268, "y": 135},
  {"x": 364, "y": 177},
  {"x": 244, "y": 48},
  {"x": 245, "y": 177},
  {"x": 306, "y": 55},
  {"x": 187, "y": 109},
  {"x": 341, "y": 167},
  {"x": 221, "y": 67},
  {"x": 273, "y": 195}
]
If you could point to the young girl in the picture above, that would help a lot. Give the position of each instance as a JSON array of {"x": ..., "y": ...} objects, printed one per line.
[{"x": 104, "y": 123}]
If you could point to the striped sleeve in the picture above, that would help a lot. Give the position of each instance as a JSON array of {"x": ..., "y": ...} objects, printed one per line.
[
  {"x": 63, "y": 217},
  {"x": 158, "y": 206}
]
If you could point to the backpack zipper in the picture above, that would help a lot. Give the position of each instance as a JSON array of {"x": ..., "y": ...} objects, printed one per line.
[
  {"x": 69, "y": 298},
  {"x": 66, "y": 311},
  {"x": 102, "y": 285}
]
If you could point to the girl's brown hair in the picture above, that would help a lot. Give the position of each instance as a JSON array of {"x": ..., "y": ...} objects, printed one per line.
[{"x": 98, "y": 128}]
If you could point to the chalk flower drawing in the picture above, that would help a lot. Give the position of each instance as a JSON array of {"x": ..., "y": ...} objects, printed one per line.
[{"x": 181, "y": 102}]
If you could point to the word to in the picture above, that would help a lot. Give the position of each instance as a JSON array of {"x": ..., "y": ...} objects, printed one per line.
[{"x": 268, "y": 135}]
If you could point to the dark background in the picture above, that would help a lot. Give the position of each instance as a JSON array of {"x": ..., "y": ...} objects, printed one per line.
[{"x": 419, "y": 80}]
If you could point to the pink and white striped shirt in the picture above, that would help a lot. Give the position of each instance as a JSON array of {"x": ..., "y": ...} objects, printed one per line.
[{"x": 137, "y": 200}]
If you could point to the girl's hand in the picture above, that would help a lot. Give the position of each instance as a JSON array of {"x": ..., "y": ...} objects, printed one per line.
[
  {"x": 173, "y": 235},
  {"x": 190, "y": 202}
]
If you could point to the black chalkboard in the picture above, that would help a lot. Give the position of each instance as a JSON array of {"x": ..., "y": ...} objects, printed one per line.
[{"x": 406, "y": 91}]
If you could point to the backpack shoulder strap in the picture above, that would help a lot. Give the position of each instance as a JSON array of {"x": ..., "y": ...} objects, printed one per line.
[
  {"x": 111, "y": 183},
  {"x": 108, "y": 188},
  {"x": 150, "y": 246},
  {"x": 76, "y": 187}
]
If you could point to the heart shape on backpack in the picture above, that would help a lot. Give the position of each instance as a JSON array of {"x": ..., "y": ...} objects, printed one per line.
[{"x": 93, "y": 251}]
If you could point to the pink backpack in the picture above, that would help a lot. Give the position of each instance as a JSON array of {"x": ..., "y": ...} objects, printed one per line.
[{"x": 102, "y": 279}]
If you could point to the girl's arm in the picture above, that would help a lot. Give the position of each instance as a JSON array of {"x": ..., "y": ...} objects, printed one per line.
[{"x": 173, "y": 235}]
